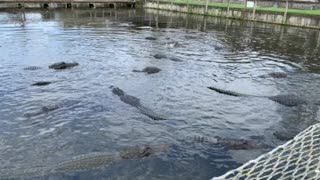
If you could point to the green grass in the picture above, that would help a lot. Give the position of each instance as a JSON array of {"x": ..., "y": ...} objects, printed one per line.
[
  {"x": 241, "y": 6},
  {"x": 290, "y": 11}
]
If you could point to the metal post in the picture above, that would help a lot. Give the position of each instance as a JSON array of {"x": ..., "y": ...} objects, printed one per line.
[
  {"x": 254, "y": 9},
  {"x": 157, "y": 4},
  {"x": 285, "y": 12},
  {"x": 207, "y": 2}
]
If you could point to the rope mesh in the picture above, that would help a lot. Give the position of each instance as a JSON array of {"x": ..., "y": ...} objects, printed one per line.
[{"x": 299, "y": 158}]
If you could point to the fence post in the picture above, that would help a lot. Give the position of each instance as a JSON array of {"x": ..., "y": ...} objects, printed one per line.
[
  {"x": 204, "y": 23},
  {"x": 207, "y": 2},
  {"x": 245, "y": 4},
  {"x": 254, "y": 10},
  {"x": 318, "y": 42},
  {"x": 187, "y": 5},
  {"x": 157, "y": 4},
  {"x": 285, "y": 12},
  {"x": 157, "y": 20},
  {"x": 281, "y": 32},
  {"x": 228, "y": 10}
]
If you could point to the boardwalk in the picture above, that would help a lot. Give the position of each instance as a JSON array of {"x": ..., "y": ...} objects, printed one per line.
[{"x": 66, "y": 3}]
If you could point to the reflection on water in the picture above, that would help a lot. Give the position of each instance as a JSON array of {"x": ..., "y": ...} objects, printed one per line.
[{"x": 108, "y": 45}]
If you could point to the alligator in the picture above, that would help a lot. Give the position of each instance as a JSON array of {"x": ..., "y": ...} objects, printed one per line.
[
  {"x": 32, "y": 68},
  {"x": 218, "y": 48},
  {"x": 163, "y": 56},
  {"x": 85, "y": 162},
  {"x": 62, "y": 65},
  {"x": 43, "y": 110},
  {"x": 151, "y": 38},
  {"x": 149, "y": 70},
  {"x": 98, "y": 160},
  {"x": 135, "y": 102},
  {"x": 275, "y": 75},
  {"x": 284, "y": 136},
  {"x": 137, "y": 152},
  {"x": 41, "y": 83},
  {"x": 172, "y": 44},
  {"x": 229, "y": 143},
  {"x": 160, "y": 56},
  {"x": 44, "y": 83},
  {"x": 289, "y": 100}
]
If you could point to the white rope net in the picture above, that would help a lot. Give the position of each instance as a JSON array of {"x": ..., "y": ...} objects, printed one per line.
[{"x": 297, "y": 159}]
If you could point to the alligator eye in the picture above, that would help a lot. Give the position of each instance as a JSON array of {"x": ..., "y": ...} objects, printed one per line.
[{"x": 146, "y": 152}]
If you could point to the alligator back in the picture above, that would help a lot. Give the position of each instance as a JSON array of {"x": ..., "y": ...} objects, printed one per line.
[
  {"x": 151, "y": 114},
  {"x": 85, "y": 162},
  {"x": 16, "y": 173},
  {"x": 288, "y": 100},
  {"x": 131, "y": 100}
]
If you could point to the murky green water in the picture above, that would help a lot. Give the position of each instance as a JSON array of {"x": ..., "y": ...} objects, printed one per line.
[{"x": 108, "y": 45}]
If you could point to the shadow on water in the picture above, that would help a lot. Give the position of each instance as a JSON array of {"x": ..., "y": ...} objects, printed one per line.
[{"x": 109, "y": 45}]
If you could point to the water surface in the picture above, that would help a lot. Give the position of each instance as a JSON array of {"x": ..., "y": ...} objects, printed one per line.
[{"x": 108, "y": 45}]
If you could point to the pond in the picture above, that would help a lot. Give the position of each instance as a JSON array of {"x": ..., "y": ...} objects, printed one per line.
[{"x": 78, "y": 114}]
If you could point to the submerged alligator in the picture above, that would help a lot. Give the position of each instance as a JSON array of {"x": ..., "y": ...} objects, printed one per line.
[
  {"x": 151, "y": 38},
  {"x": 149, "y": 70},
  {"x": 229, "y": 143},
  {"x": 135, "y": 102},
  {"x": 286, "y": 100},
  {"x": 41, "y": 83},
  {"x": 218, "y": 48},
  {"x": 275, "y": 75},
  {"x": 104, "y": 159},
  {"x": 172, "y": 44},
  {"x": 44, "y": 83},
  {"x": 86, "y": 162},
  {"x": 32, "y": 68},
  {"x": 43, "y": 110},
  {"x": 62, "y": 65},
  {"x": 163, "y": 56}
]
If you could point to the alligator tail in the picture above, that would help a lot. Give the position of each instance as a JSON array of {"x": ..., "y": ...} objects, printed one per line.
[
  {"x": 151, "y": 114},
  {"x": 230, "y": 93},
  {"x": 136, "y": 70},
  {"x": 24, "y": 173}
]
